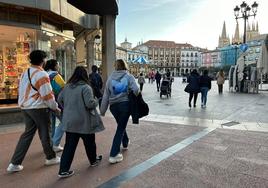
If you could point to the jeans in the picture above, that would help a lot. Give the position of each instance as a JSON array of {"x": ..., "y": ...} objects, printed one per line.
[
  {"x": 121, "y": 113},
  {"x": 71, "y": 142},
  {"x": 204, "y": 93},
  {"x": 57, "y": 132},
  {"x": 58, "y": 135},
  {"x": 35, "y": 119}
]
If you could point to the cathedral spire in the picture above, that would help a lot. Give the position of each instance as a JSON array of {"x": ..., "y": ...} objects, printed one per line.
[
  {"x": 253, "y": 26},
  {"x": 236, "y": 38},
  {"x": 223, "y": 33}
]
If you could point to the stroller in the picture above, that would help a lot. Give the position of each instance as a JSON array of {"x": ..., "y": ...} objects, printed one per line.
[{"x": 165, "y": 88}]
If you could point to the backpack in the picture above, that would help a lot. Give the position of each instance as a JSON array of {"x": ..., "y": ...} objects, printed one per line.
[{"x": 120, "y": 86}]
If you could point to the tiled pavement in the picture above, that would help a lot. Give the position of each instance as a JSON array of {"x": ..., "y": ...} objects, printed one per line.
[
  {"x": 221, "y": 158},
  {"x": 168, "y": 145}
]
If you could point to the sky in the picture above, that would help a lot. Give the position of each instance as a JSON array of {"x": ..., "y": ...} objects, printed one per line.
[{"x": 198, "y": 22}]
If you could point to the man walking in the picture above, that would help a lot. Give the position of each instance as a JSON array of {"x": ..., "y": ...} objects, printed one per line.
[
  {"x": 36, "y": 99},
  {"x": 158, "y": 79},
  {"x": 96, "y": 83}
]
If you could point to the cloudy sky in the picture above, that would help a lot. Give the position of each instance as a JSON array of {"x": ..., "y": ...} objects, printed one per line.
[{"x": 198, "y": 22}]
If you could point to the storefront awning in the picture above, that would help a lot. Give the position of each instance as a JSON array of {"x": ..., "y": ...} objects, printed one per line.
[{"x": 99, "y": 7}]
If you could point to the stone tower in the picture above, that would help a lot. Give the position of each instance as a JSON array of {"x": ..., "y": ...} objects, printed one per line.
[
  {"x": 237, "y": 39},
  {"x": 223, "y": 39},
  {"x": 252, "y": 31}
]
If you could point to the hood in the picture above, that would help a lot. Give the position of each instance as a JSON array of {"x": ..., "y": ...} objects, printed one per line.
[
  {"x": 77, "y": 84},
  {"x": 116, "y": 75}
]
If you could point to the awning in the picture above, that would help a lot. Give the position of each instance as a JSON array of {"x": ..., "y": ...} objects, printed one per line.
[
  {"x": 141, "y": 60},
  {"x": 99, "y": 7}
]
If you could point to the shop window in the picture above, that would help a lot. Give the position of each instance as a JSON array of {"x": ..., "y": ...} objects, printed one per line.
[{"x": 15, "y": 46}]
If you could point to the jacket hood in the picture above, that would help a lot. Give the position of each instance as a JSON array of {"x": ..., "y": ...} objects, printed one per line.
[
  {"x": 77, "y": 84},
  {"x": 118, "y": 74}
]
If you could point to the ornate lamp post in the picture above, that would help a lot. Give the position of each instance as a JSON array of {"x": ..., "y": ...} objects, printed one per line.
[{"x": 245, "y": 11}]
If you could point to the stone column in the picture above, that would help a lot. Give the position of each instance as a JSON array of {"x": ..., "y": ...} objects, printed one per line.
[
  {"x": 90, "y": 52},
  {"x": 108, "y": 45}
]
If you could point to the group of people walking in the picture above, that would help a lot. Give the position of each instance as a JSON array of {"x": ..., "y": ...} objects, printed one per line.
[
  {"x": 44, "y": 96},
  {"x": 197, "y": 84}
]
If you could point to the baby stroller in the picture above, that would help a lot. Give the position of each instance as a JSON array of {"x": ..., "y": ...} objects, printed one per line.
[{"x": 165, "y": 88}]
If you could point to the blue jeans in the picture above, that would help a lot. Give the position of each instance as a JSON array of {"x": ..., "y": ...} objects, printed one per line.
[
  {"x": 121, "y": 113},
  {"x": 57, "y": 132},
  {"x": 204, "y": 94}
]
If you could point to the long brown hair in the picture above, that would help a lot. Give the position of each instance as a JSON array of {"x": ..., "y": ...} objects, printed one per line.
[
  {"x": 221, "y": 73},
  {"x": 80, "y": 74},
  {"x": 120, "y": 65}
]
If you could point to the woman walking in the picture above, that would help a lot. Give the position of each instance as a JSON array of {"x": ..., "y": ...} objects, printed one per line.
[
  {"x": 205, "y": 86},
  {"x": 141, "y": 81},
  {"x": 116, "y": 95},
  {"x": 220, "y": 80},
  {"x": 57, "y": 83},
  {"x": 193, "y": 87},
  {"x": 80, "y": 120}
]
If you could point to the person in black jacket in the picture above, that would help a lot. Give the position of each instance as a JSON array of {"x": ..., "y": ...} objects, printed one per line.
[
  {"x": 96, "y": 83},
  {"x": 158, "y": 79},
  {"x": 193, "y": 87},
  {"x": 205, "y": 86}
]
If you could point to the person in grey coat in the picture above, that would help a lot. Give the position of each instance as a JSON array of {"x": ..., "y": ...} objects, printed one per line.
[
  {"x": 118, "y": 85},
  {"x": 80, "y": 120}
]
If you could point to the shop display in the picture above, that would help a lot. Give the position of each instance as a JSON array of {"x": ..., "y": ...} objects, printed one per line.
[{"x": 13, "y": 62}]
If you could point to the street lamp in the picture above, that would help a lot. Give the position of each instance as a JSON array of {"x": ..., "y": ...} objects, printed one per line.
[{"x": 245, "y": 10}]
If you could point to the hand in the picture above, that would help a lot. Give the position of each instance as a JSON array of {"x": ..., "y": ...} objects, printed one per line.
[{"x": 58, "y": 111}]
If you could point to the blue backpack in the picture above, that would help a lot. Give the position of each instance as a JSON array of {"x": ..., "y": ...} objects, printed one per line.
[{"x": 120, "y": 86}]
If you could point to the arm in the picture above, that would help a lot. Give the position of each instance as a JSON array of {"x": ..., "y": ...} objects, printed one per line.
[
  {"x": 105, "y": 100},
  {"x": 88, "y": 97},
  {"x": 133, "y": 86},
  {"x": 45, "y": 90}
]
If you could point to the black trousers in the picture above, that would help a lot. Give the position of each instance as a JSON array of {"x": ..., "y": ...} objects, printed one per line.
[
  {"x": 220, "y": 87},
  {"x": 71, "y": 142},
  {"x": 191, "y": 97},
  {"x": 141, "y": 86},
  {"x": 158, "y": 84}
]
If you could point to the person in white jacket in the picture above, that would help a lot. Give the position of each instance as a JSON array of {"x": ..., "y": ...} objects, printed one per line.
[{"x": 36, "y": 98}]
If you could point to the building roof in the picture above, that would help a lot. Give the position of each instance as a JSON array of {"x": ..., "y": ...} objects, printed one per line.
[{"x": 165, "y": 44}]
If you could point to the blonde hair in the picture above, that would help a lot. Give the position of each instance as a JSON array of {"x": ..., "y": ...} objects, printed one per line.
[{"x": 120, "y": 64}]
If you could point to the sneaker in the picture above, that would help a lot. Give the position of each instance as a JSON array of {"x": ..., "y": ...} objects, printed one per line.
[
  {"x": 126, "y": 147},
  {"x": 58, "y": 148},
  {"x": 118, "y": 158},
  {"x": 14, "y": 168},
  {"x": 66, "y": 174},
  {"x": 53, "y": 161},
  {"x": 97, "y": 162}
]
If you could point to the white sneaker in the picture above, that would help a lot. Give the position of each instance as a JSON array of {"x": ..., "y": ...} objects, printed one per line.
[
  {"x": 58, "y": 148},
  {"x": 118, "y": 158},
  {"x": 14, "y": 168},
  {"x": 53, "y": 161}
]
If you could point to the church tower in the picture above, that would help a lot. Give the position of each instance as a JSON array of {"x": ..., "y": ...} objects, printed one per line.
[
  {"x": 252, "y": 31},
  {"x": 223, "y": 39},
  {"x": 237, "y": 39}
]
